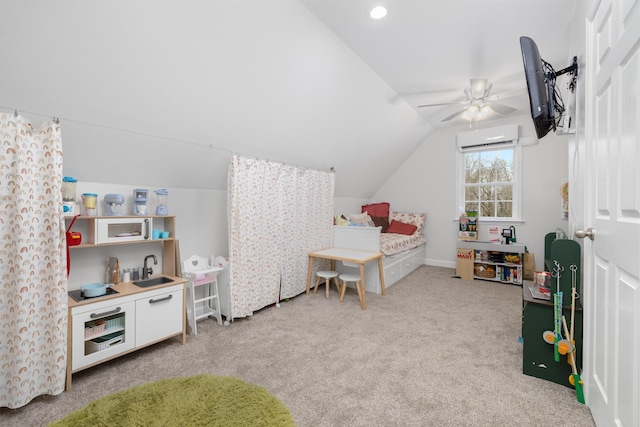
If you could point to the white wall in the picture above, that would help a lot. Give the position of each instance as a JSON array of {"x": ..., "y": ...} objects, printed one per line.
[
  {"x": 201, "y": 227},
  {"x": 348, "y": 205},
  {"x": 426, "y": 182},
  {"x": 144, "y": 89}
]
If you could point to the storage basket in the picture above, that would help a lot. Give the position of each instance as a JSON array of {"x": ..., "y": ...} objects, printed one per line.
[
  {"x": 114, "y": 322},
  {"x": 104, "y": 342},
  {"x": 513, "y": 258},
  {"x": 94, "y": 328},
  {"x": 485, "y": 271}
]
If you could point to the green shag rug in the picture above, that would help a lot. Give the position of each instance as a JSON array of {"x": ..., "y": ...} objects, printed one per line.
[{"x": 202, "y": 400}]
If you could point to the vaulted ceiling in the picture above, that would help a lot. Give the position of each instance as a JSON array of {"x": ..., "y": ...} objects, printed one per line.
[
  {"x": 428, "y": 50},
  {"x": 161, "y": 93}
]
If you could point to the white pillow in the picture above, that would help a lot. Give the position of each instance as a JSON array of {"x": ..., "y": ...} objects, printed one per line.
[{"x": 363, "y": 219}]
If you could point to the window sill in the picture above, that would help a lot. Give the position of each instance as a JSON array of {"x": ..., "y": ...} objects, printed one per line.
[{"x": 496, "y": 221}]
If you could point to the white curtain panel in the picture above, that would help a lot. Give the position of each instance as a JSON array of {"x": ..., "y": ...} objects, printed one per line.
[
  {"x": 254, "y": 207},
  {"x": 277, "y": 214},
  {"x": 33, "y": 276},
  {"x": 308, "y": 225}
]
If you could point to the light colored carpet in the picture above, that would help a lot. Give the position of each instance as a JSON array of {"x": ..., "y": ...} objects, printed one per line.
[
  {"x": 435, "y": 351},
  {"x": 201, "y": 400}
]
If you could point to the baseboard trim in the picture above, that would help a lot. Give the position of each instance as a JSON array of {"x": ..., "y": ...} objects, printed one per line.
[{"x": 439, "y": 263}]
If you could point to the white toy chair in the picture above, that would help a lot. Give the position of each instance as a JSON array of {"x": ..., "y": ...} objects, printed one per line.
[
  {"x": 327, "y": 275},
  {"x": 200, "y": 274},
  {"x": 352, "y": 277}
]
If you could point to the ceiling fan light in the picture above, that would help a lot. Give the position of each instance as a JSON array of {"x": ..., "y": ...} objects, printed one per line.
[
  {"x": 477, "y": 112},
  {"x": 472, "y": 110},
  {"x": 485, "y": 111},
  {"x": 378, "y": 12},
  {"x": 468, "y": 115}
]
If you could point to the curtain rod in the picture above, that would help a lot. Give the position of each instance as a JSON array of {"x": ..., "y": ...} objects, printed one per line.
[
  {"x": 56, "y": 120},
  {"x": 331, "y": 169}
]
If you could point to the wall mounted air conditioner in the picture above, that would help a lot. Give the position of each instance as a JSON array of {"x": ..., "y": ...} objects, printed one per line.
[{"x": 497, "y": 137}]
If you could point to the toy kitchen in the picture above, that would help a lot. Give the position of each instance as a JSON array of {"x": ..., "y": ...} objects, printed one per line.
[{"x": 110, "y": 223}]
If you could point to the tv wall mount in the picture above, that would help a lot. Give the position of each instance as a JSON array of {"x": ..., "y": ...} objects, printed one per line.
[
  {"x": 554, "y": 94},
  {"x": 571, "y": 69}
]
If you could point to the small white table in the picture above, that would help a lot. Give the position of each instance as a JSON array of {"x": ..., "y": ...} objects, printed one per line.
[{"x": 350, "y": 255}]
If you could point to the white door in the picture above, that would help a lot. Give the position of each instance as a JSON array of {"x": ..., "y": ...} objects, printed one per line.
[{"x": 612, "y": 207}]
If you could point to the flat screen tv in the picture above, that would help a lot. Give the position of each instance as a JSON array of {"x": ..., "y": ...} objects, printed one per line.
[{"x": 540, "y": 90}]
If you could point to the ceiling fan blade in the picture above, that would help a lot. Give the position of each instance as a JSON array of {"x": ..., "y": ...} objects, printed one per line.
[
  {"x": 501, "y": 108},
  {"x": 453, "y": 116},
  {"x": 508, "y": 94},
  {"x": 487, "y": 90},
  {"x": 439, "y": 105}
]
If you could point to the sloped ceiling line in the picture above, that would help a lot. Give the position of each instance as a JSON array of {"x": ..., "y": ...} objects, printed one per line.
[{"x": 164, "y": 138}]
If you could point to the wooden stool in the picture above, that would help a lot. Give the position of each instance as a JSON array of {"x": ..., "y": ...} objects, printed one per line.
[
  {"x": 327, "y": 275},
  {"x": 346, "y": 277}
]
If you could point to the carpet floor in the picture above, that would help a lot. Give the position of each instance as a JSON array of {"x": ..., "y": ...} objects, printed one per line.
[{"x": 435, "y": 351}]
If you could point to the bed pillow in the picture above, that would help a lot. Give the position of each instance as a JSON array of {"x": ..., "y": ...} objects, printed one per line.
[
  {"x": 341, "y": 220},
  {"x": 401, "y": 228},
  {"x": 361, "y": 219},
  {"x": 416, "y": 219},
  {"x": 381, "y": 221},
  {"x": 377, "y": 209}
]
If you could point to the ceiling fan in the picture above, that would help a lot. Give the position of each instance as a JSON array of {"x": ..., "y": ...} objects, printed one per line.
[{"x": 478, "y": 104}]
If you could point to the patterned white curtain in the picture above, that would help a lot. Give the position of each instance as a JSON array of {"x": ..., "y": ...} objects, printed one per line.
[
  {"x": 277, "y": 214},
  {"x": 33, "y": 280},
  {"x": 308, "y": 225}
]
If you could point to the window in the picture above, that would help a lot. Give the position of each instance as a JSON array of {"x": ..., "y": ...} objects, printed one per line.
[{"x": 489, "y": 182}]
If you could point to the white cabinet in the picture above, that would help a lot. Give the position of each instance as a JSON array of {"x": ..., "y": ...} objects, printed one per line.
[
  {"x": 101, "y": 331},
  {"x": 108, "y": 328},
  {"x": 398, "y": 266},
  {"x": 409, "y": 264},
  {"x": 158, "y": 316},
  {"x": 392, "y": 274}
]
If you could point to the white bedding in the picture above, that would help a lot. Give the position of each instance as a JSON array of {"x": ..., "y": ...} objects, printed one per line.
[
  {"x": 356, "y": 236},
  {"x": 392, "y": 243}
]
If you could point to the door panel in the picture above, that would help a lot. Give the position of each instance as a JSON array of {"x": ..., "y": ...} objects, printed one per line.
[
  {"x": 603, "y": 151},
  {"x": 601, "y": 339},
  {"x": 627, "y": 7},
  {"x": 603, "y": 35},
  {"x": 629, "y": 147},
  {"x": 629, "y": 354},
  {"x": 612, "y": 208}
]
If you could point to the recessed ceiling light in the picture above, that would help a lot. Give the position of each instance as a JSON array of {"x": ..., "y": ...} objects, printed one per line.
[{"x": 378, "y": 12}]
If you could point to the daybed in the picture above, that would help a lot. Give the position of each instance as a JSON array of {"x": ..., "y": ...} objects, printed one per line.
[{"x": 399, "y": 236}]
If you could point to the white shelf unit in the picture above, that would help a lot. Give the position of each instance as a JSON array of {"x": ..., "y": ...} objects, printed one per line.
[{"x": 490, "y": 261}]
